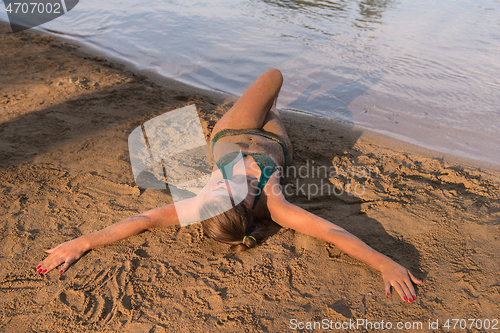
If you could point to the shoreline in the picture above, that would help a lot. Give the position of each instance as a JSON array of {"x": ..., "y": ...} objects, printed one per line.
[
  {"x": 400, "y": 145},
  {"x": 65, "y": 171},
  {"x": 388, "y": 139}
]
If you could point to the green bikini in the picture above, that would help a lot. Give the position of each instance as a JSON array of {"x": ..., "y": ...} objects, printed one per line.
[{"x": 266, "y": 164}]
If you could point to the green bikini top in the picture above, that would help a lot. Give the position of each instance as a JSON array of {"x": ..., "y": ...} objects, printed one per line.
[{"x": 265, "y": 163}]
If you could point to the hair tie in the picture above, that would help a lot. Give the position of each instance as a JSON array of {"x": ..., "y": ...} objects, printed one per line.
[{"x": 252, "y": 237}]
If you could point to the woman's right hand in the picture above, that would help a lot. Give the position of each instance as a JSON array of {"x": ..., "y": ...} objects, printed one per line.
[
  {"x": 400, "y": 279},
  {"x": 66, "y": 253}
]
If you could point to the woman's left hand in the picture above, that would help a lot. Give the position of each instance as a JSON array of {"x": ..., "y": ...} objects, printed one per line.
[
  {"x": 65, "y": 253},
  {"x": 400, "y": 279}
]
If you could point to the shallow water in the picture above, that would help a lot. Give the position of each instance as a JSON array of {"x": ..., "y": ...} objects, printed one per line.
[{"x": 425, "y": 72}]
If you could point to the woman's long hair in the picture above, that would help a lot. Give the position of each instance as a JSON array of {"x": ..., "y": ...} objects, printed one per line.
[{"x": 237, "y": 226}]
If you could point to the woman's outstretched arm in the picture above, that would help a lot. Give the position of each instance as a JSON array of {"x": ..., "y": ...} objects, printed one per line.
[
  {"x": 68, "y": 252},
  {"x": 294, "y": 217}
]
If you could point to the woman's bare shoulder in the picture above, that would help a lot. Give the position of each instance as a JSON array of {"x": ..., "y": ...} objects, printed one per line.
[{"x": 273, "y": 192}]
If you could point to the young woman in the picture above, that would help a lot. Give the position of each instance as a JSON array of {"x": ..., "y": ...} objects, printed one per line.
[{"x": 249, "y": 144}]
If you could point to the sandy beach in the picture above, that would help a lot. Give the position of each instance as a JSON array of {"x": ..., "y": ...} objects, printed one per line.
[{"x": 65, "y": 116}]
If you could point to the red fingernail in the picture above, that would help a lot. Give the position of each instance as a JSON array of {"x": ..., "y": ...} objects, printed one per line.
[
  {"x": 405, "y": 298},
  {"x": 44, "y": 271},
  {"x": 414, "y": 297},
  {"x": 61, "y": 271},
  {"x": 39, "y": 270},
  {"x": 38, "y": 267},
  {"x": 388, "y": 294},
  {"x": 410, "y": 300}
]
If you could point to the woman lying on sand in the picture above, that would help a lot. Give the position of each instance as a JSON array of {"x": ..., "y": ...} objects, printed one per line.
[{"x": 250, "y": 182}]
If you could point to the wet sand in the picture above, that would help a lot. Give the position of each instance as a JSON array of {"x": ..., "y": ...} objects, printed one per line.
[{"x": 64, "y": 171}]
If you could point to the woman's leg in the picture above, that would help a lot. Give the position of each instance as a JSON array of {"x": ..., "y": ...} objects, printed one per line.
[
  {"x": 273, "y": 124},
  {"x": 252, "y": 107}
]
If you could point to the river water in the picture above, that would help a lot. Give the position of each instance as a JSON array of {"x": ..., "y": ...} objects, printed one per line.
[{"x": 426, "y": 72}]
